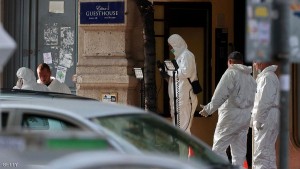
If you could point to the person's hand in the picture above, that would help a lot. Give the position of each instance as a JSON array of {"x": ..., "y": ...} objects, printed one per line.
[
  {"x": 170, "y": 73},
  {"x": 19, "y": 83},
  {"x": 258, "y": 125},
  {"x": 203, "y": 112}
]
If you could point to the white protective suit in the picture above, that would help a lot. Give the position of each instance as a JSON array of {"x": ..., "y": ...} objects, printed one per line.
[
  {"x": 29, "y": 80},
  {"x": 234, "y": 98},
  {"x": 57, "y": 86},
  {"x": 187, "y": 100},
  {"x": 266, "y": 112}
]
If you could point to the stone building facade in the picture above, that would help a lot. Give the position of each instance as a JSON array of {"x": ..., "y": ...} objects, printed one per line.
[{"x": 107, "y": 54}]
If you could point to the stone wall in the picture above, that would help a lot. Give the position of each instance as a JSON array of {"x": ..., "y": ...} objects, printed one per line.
[{"x": 106, "y": 55}]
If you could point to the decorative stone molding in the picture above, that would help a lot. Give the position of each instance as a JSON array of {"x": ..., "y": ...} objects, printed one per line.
[{"x": 107, "y": 54}]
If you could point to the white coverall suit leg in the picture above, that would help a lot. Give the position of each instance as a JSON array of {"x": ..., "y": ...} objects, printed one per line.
[
  {"x": 266, "y": 112},
  {"x": 187, "y": 100},
  {"x": 234, "y": 98}
]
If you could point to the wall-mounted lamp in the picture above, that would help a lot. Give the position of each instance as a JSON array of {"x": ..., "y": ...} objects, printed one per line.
[{"x": 138, "y": 73}]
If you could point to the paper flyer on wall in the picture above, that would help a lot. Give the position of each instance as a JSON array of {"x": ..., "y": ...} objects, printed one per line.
[
  {"x": 47, "y": 58},
  {"x": 61, "y": 73}
]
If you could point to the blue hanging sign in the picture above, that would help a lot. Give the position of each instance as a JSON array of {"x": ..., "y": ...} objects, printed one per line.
[{"x": 102, "y": 12}]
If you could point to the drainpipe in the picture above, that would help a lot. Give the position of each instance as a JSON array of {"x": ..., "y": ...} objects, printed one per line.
[{"x": 280, "y": 46}]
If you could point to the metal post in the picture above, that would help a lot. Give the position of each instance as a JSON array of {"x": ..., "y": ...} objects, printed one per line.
[
  {"x": 175, "y": 97},
  {"x": 142, "y": 90},
  {"x": 284, "y": 115},
  {"x": 281, "y": 33}
]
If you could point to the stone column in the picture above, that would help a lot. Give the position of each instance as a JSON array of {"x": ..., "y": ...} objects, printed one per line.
[{"x": 107, "y": 54}]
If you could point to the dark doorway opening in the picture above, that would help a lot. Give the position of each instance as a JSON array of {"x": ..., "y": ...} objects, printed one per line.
[{"x": 189, "y": 19}]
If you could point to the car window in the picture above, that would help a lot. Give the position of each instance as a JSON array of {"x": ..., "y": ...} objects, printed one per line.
[
  {"x": 38, "y": 122},
  {"x": 151, "y": 134}
]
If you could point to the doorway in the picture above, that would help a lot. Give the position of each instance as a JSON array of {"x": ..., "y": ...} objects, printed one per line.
[{"x": 192, "y": 21}]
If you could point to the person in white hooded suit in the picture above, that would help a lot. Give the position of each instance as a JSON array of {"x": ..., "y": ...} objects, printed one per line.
[
  {"x": 265, "y": 117},
  {"x": 234, "y": 99},
  {"x": 27, "y": 80},
  {"x": 44, "y": 74},
  {"x": 187, "y": 100}
]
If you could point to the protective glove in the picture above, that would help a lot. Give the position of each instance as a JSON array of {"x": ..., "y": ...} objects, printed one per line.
[
  {"x": 170, "y": 73},
  {"x": 203, "y": 112},
  {"x": 19, "y": 83},
  {"x": 258, "y": 125}
]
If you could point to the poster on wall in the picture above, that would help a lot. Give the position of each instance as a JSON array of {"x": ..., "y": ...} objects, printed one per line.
[
  {"x": 102, "y": 12},
  {"x": 61, "y": 74},
  {"x": 258, "y": 30},
  {"x": 51, "y": 34}
]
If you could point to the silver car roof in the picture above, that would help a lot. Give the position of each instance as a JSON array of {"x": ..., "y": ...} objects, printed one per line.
[
  {"x": 80, "y": 110},
  {"x": 84, "y": 108}
]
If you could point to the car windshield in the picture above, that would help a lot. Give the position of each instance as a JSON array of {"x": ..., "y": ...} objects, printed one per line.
[{"x": 148, "y": 133}]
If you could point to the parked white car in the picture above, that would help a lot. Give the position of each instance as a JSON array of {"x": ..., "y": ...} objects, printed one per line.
[
  {"x": 35, "y": 150},
  {"x": 146, "y": 131},
  {"x": 113, "y": 160}
]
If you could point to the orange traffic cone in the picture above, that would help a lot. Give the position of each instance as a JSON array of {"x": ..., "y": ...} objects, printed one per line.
[
  {"x": 190, "y": 153},
  {"x": 245, "y": 165}
]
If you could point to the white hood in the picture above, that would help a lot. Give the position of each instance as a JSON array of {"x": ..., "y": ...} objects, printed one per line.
[{"x": 178, "y": 44}]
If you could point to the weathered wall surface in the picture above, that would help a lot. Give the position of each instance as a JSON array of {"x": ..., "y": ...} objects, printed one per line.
[{"x": 106, "y": 55}]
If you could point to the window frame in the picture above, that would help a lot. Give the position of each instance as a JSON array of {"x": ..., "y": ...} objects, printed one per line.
[{"x": 16, "y": 115}]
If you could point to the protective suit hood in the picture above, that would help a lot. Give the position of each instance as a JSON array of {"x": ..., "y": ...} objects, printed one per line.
[
  {"x": 26, "y": 74},
  {"x": 178, "y": 44},
  {"x": 243, "y": 68},
  {"x": 28, "y": 80},
  {"x": 271, "y": 68}
]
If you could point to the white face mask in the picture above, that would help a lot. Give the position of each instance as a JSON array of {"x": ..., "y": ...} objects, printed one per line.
[{"x": 172, "y": 51}]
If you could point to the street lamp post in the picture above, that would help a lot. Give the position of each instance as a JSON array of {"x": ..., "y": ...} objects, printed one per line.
[
  {"x": 140, "y": 75},
  {"x": 172, "y": 65}
]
